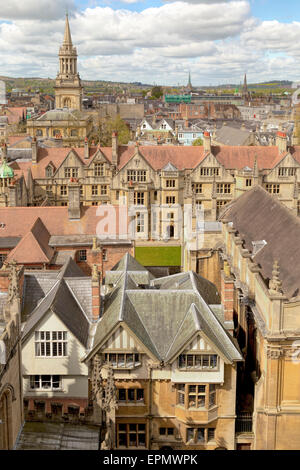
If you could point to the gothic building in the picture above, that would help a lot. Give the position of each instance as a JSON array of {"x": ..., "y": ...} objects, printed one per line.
[{"x": 68, "y": 88}]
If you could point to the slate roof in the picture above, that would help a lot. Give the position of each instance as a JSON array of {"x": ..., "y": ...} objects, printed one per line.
[
  {"x": 232, "y": 136},
  {"x": 258, "y": 215},
  {"x": 67, "y": 293},
  {"x": 165, "y": 314}
]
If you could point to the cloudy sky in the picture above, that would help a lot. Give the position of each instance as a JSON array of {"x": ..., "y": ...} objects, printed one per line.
[{"x": 155, "y": 41}]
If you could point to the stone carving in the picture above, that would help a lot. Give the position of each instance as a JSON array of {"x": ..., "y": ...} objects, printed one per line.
[
  {"x": 13, "y": 288},
  {"x": 273, "y": 353},
  {"x": 106, "y": 399},
  {"x": 275, "y": 285}
]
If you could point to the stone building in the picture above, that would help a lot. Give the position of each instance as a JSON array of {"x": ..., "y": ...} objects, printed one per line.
[
  {"x": 164, "y": 356},
  {"x": 11, "y": 395},
  {"x": 260, "y": 251},
  {"x": 70, "y": 127}
]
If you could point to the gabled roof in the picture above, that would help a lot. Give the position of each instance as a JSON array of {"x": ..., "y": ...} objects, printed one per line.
[
  {"x": 61, "y": 299},
  {"x": 231, "y": 136},
  {"x": 160, "y": 314},
  {"x": 257, "y": 215},
  {"x": 33, "y": 247}
]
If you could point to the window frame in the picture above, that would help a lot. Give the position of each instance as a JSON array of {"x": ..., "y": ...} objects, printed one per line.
[{"x": 45, "y": 341}]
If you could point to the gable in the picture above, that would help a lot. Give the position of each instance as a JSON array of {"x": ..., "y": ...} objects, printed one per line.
[
  {"x": 121, "y": 339},
  {"x": 137, "y": 162},
  {"x": 288, "y": 161},
  {"x": 72, "y": 160},
  {"x": 99, "y": 157}
]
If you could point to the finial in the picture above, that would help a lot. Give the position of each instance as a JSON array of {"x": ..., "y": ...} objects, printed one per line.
[
  {"x": 226, "y": 269},
  {"x": 275, "y": 284}
]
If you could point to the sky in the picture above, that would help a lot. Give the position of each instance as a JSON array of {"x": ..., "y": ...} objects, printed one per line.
[{"x": 155, "y": 41}]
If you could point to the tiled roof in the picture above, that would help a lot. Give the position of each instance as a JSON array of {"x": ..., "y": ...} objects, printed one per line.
[
  {"x": 33, "y": 247},
  {"x": 18, "y": 221},
  {"x": 187, "y": 157}
]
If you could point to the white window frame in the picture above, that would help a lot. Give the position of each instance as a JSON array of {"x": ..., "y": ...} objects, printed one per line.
[{"x": 51, "y": 344}]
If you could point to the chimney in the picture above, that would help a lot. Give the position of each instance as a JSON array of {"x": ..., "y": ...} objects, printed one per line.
[
  {"x": 281, "y": 141},
  {"x": 86, "y": 148},
  {"x": 74, "y": 199},
  {"x": 227, "y": 293},
  {"x": 12, "y": 196},
  {"x": 207, "y": 142},
  {"x": 96, "y": 298},
  {"x": 34, "y": 150},
  {"x": 114, "y": 149},
  {"x": 4, "y": 151}
]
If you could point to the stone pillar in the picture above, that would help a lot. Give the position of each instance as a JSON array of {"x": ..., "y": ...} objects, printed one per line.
[{"x": 74, "y": 200}]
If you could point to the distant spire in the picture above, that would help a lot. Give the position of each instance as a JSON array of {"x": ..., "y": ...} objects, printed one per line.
[
  {"x": 189, "y": 82},
  {"x": 67, "y": 36}
]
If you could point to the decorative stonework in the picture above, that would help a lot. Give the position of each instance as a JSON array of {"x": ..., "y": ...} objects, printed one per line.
[
  {"x": 275, "y": 284},
  {"x": 274, "y": 353}
]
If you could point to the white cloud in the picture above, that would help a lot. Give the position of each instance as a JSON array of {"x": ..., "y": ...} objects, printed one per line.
[
  {"x": 217, "y": 40},
  {"x": 35, "y": 9}
]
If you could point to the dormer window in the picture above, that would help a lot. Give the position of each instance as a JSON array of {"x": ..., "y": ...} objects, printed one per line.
[
  {"x": 49, "y": 171},
  {"x": 123, "y": 361},
  {"x": 198, "y": 362}
]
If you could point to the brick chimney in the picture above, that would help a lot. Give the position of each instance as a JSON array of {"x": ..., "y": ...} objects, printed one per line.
[
  {"x": 74, "y": 199},
  {"x": 227, "y": 292},
  {"x": 281, "y": 141},
  {"x": 114, "y": 149},
  {"x": 34, "y": 150},
  {"x": 86, "y": 148},
  {"x": 96, "y": 297},
  {"x": 207, "y": 142}
]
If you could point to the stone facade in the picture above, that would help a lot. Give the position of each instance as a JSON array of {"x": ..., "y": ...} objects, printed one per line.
[{"x": 11, "y": 395}]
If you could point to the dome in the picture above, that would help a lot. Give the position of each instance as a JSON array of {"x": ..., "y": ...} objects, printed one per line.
[{"x": 6, "y": 171}]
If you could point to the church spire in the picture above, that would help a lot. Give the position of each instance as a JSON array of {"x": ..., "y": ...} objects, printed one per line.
[{"x": 67, "y": 36}]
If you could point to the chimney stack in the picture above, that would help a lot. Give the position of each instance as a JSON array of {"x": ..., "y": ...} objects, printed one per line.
[
  {"x": 207, "y": 142},
  {"x": 114, "y": 149},
  {"x": 281, "y": 141},
  {"x": 74, "y": 199},
  {"x": 96, "y": 298},
  {"x": 86, "y": 148},
  {"x": 4, "y": 151},
  {"x": 34, "y": 150},
  {"x": 227, "y": 293}
]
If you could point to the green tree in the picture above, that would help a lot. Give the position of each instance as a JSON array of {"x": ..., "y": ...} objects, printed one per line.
[
  {"x": 105, "y": 128},
  {"x": 198, "y": 141},
  {"x": 157, "y": 92}
]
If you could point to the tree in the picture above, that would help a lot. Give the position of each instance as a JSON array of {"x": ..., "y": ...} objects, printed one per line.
[
  {"x": 157, "y": 92},
  {"x": 106, "y": 126},
  {"x": 198, "y": 141}
]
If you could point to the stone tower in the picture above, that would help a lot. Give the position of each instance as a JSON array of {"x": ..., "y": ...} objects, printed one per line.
[{"x": 68, "y": 88}]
